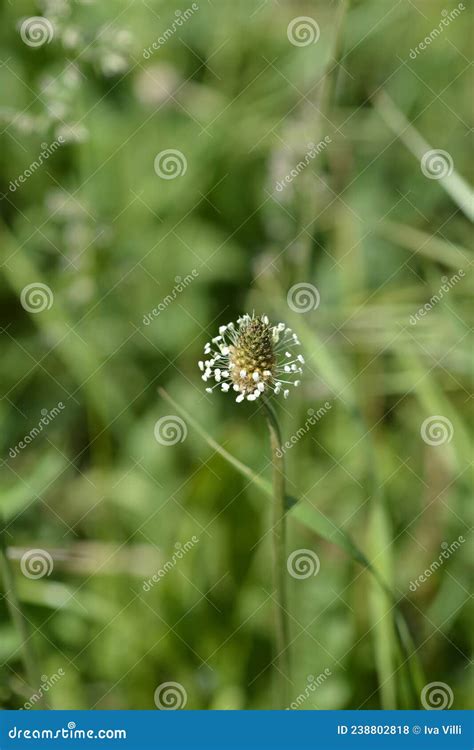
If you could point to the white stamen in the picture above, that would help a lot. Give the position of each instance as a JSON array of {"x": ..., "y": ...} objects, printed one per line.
[{"x": 223, "y": 349}]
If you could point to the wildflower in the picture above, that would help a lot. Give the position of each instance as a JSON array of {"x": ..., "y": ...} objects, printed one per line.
[{"x": 252, "y": 358}]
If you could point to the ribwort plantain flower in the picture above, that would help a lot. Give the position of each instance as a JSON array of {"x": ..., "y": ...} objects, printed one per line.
[{"x": 252, "y": 358}]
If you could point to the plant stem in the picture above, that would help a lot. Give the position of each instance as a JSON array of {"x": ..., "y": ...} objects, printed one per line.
[
  {"x": 330, "y": 79},
  {"x": 29, "y": 661},
  {"x": 307, "y": 515},
  {"x": 279, "y": 557}
]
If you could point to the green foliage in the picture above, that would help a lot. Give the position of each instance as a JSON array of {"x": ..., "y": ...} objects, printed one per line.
[{"x": 117, "y": 244}]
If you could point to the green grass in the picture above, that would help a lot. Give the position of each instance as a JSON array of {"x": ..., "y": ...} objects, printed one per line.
[{"x": 364, "y": 225}]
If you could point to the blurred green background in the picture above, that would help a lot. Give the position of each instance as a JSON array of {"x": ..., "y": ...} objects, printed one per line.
[{"x": 111, "y": 239}]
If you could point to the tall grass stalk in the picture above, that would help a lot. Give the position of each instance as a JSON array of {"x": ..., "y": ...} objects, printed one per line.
[
  {"x": 280, "y": 575},
  {"x": 32, "y": 671}
]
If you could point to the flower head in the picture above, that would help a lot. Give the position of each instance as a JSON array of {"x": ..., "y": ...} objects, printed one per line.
[{"x": 251, "y": 358}]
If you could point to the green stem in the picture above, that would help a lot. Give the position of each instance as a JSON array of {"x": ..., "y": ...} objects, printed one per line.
[
  {"x": 242, "y": 468},
  {"x": 29, "y": 661},
  {"x": 329, "y": 83},
  {"x": 282, "y": 634}
]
